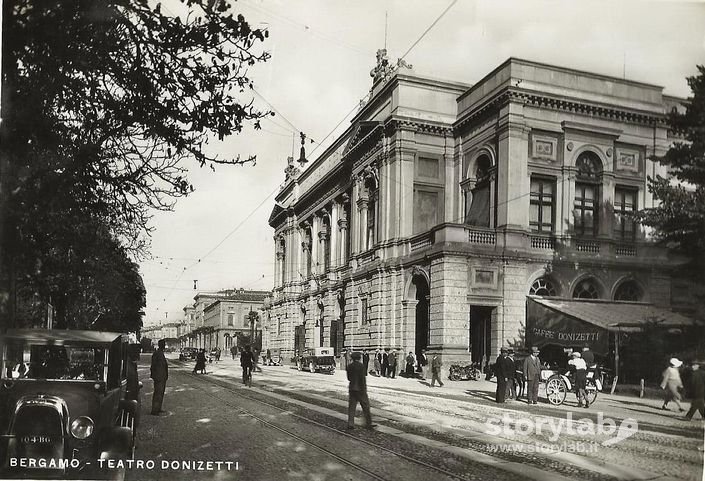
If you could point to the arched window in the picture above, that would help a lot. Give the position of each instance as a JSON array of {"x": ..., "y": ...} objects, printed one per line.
[
  {"x": 543, "y": 286},
  {"x": 478, "y": 193},
  {"x": 586, "y": 289},
  {"x": 628, "y": 291},
  {"x": 587, "y": 193}
]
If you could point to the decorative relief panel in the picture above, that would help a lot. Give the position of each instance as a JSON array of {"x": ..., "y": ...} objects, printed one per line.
[
  {"x": 627, "y": 160},
  {"x": 544, "y": 147},
  {"x": 483, "y": 277}
]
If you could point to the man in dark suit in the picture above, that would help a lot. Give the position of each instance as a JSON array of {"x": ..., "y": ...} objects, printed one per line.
[
  {"x": 532, "y": 374},
  {"x": 385, "y": 363},
  {"x": 366, "y": 361},
  {"x": 159, "y": 374},
  {"x": 504, "y": 370},
  {"x": 247, "y": 361},
  {"x": 357, "y": 391},
  {"x": 697, "y": 380}
]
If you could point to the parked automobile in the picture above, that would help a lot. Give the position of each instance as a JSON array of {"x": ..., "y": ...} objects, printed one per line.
[
  {"x": 188, "y": 354},
  {"x": 275, "y": 358},
  {"x": 64, "y": 397},
  {"x": 320, "y": 359}
]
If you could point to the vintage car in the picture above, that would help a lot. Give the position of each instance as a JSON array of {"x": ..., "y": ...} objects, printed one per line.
[
  {"x": 188, "y": 354},
  {"x": 67, "y": 399},
  {"x": 320, "y": 359}
]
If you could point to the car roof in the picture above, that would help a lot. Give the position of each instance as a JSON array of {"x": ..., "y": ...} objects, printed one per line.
[{"x": 61, "y": 336}]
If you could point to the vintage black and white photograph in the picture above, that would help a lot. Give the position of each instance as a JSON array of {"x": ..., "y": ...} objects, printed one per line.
[{"x": 372, "y": 240}]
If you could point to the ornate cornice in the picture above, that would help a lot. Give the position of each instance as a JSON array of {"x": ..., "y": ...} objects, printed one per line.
[
  {"x": 418, "y": 126},
  {"x": 604, "y": 111}
]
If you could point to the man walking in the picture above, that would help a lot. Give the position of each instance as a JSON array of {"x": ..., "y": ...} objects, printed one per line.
[
  {"x": 357, "y": 391},
  {"x": 436, "y": 364},
  {"x": 393, "y": 364},
  {"x": 671, "y": 382},
  {"x": 159, "y": 374},
  {"x": 532, "y": 374},
  {"x": 247, "y": 361},
  {"x": 697, "y": 380}
]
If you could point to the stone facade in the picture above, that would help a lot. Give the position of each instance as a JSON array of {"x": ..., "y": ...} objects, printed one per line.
[
  {"x": 443, "y": 205},
  {"x": 218, "y": 319}
]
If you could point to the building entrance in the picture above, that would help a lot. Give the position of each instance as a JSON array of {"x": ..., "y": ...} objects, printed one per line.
[
  {"x": 300, "y": 338},
  {"x": 422, "y": 313},
  {"x": 480, "y": 333}
]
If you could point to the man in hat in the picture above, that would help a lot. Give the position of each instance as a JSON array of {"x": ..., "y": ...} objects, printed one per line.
[
  {"x": 159, "y": 374},
  {"x": 504, "y": 370},
  {"x": 532, "y": 374},
  {"x": 671, "y": 382},
  {"x": 697, "y": 380},
  {"x": 580, "y": 368},
  {"x": 357, "y": 391},
  {"x": 436, "y": 365},
  {"x": 511, "y": 393}
]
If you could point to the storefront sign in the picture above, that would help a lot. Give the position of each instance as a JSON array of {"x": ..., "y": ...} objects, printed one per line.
[{"x": 546, "y": 326}]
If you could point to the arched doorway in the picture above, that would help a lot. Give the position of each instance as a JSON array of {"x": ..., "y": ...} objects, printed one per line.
[{"x": 423, "y": 311}]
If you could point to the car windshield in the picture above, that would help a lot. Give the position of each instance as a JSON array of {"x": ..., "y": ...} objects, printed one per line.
[
  {"x": 325, "y": 360},
  {"x": 32, "y": 361}
]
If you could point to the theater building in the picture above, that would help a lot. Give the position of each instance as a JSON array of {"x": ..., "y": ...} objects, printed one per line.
[{"x": 445, "y": 208}]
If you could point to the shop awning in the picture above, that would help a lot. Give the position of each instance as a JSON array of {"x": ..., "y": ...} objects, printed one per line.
[{"x": 580, "y": 322}]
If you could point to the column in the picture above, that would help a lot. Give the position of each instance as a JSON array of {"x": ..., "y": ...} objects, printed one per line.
[
  {"x": 334, "y": 235},
  {"x": 362, "y": 205},
  {"x": 316, "y": 268},
  {"x": 343, "y": 236},
  {"x": 322, "y": 239}
]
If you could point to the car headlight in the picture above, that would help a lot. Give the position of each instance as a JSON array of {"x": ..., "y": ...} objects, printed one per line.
[{"x": 82, "y": 427}]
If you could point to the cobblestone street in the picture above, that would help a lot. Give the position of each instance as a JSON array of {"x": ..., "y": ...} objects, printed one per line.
[{"x": 457, "y": 429}]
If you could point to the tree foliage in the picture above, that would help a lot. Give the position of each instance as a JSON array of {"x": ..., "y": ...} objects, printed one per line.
[
  {"x": 680, "y": 217},
  {"x": 103, "y": 103}
]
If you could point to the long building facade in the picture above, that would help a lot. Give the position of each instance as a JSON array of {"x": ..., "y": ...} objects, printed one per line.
[{"x": 444, "y": 207}]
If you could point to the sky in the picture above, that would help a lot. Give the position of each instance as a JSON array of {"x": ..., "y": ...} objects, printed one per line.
[{"x": 322, "y": 53}]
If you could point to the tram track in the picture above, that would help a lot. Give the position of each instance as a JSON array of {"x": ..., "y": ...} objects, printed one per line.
[{"x": 238, "y": 392}]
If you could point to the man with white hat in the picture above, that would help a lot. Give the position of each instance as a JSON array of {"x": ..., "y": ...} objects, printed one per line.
[
  {"x": 671, "y": 382},
  {"x": 580, "y": 378}
]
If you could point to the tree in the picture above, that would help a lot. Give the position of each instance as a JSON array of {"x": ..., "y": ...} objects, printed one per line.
[
  {"x": 103, "y": 102},
  {"x": 680, "y": 218}
]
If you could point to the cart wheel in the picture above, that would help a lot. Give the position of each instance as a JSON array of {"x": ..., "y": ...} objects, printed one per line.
[
  {"x": 590, "y": 392},
  {"x": 556, "y": 390},
  {"x": 311, "y": 367}
]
